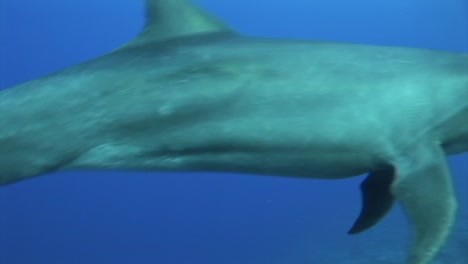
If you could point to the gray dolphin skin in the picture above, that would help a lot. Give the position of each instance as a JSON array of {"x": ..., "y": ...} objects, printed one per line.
[{"x": 191, "y": 94}]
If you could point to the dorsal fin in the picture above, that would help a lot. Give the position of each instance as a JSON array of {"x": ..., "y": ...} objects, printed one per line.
[{"x": 168, "y": 19}]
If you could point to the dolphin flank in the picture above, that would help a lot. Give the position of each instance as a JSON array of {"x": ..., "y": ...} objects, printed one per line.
[{"x": 191, "y": 94}]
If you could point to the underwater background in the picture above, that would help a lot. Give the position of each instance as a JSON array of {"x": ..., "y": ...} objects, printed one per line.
[{"x": 118, "y": 217}]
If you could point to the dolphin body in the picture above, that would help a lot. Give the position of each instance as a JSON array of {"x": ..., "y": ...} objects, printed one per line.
[{"x": 190, "y": 94}]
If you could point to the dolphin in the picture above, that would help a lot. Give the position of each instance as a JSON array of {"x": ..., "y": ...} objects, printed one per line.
[{"x": 191, "y": 94}]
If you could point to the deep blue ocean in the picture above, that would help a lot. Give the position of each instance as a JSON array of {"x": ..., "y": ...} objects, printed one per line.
[{"x": 117, "y": 217}]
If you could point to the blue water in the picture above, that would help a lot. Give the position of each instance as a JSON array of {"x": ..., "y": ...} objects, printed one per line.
[{"x": 166, "y": 218}]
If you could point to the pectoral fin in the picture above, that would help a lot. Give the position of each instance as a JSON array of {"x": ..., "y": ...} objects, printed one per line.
[
  {"x": 376, "y": 199},
  {"x": 423, "y": 185}
]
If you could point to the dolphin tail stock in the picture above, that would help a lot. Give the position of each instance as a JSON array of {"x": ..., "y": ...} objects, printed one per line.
[{"x": 424, "y": 186}]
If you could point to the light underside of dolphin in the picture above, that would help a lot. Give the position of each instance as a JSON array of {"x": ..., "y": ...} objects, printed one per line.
[{"x": 191, "y": 94}]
